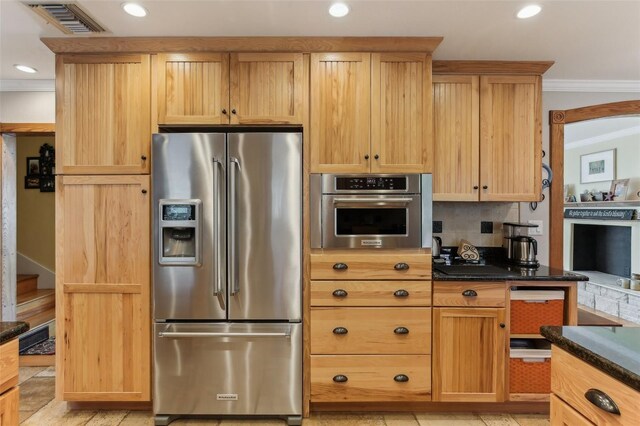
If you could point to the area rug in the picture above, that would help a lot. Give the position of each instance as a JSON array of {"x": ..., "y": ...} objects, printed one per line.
[{"x": 48, "y": 347}]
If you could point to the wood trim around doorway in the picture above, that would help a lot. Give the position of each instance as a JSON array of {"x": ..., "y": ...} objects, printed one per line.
[
  {"x": 32, "y": 129},
  {"x": 557, "y": 121}
]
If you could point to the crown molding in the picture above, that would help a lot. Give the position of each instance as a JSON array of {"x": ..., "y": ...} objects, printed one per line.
[
  {"x": 610, "y": 86},
  {"x": 27, "y": 86}
]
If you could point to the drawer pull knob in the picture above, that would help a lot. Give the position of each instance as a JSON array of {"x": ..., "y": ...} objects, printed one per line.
[
  {"x": 340, "y": 378},
  {"x": 602, "y": 401},
  {"x": 340, "y": 266},
  {"x": 401, "y": 330},
  {"x": 340, "y": 293},
  {"x": 469, "y": 293},
  {"x": 401, "y": 378},
  {"x": 143, "y": 157},
  {"x": 401, "y": 266},
  {"x": 401, "y": 293},
  {"x": 340, "y": 330}
]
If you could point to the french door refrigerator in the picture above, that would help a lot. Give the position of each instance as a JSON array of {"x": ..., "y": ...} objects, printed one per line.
[{"x": 227, "y": 274}]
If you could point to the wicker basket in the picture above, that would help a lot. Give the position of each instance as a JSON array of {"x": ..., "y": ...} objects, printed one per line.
[
  {"x": 530, "y": 375},
  {"x": 531, "y": 309}
]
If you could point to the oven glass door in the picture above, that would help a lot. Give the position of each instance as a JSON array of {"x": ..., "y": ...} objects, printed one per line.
[{"x": 370, "y": 221}]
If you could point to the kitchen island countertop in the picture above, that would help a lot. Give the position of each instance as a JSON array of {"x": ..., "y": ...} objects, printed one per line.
[
  {"x": 11, "y": 329},
  {"x": 613, "y": 350}
]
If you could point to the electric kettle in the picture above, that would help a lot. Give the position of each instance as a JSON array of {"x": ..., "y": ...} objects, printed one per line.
[{"x": 525, "y": 250}]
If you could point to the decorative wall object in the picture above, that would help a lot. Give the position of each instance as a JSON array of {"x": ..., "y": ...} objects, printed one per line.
[
  {"x": 619, "y": 189},
  {"x": 598, "y": 167},
  {"x": 47, "y": 168}
]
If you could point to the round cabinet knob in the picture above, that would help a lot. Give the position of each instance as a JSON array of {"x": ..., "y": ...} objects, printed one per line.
[
  {"x": 401, "y": 266},
  {"x": 469, "y": 293},
  {"x": 401, "y": 378},
  {"x": 485, "y": 187},
  {"x": 340, "y": 293},
  {"x": 143, "y": 157},
  {"x": 475, "y": 186},
  {"x": 401, "y": 293},
  {"x": 144, "y": 191},
  {"x": 366, "y": 156},
  {"x": 233, "y": 111},
  {"x": 376, "y": 156},
  {"x": 340, "y": 378},
  {"x": 502, "y": 325},
  {"x": 340, "y": 330},
  {"x": 401, "y": 330},
  {"x": 224, "y": 111},
  {"x": 340, "y": 266}
]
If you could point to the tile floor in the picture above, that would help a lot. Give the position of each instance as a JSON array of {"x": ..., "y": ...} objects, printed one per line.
[{"x": 38, "y": 408}]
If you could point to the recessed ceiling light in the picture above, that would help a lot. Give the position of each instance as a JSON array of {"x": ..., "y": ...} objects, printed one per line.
[
  {"x": 25, "y": 68},
  {"x": 339, "y": 10},
  {"x": 529, "y": 11},
  {"x": 134, "y": 9}
]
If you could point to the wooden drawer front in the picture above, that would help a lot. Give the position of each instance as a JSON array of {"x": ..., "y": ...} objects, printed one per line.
[
  {"x": 370, "y": 378},
  {"x": 370, "y": 266},
  {"x": 370, "y": 293},
  {"x": 371, "y": 331},
  {"x": 8, "y": 365},
  {"x": 571, "y": 378},
  {"x": 9, "y": 403},
  {"x": 563, "y": 414},
  {"x": 457, "y": 293}
]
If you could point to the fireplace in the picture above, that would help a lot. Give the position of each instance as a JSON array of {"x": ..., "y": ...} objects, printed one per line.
[{"x": 603, "y": 248}]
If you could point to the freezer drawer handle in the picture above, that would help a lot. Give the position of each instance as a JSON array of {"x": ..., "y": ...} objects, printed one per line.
[
  {"x": 340, "y": 378},
  {"x": 340, "y": 330},
  {"x": 401, "y": 330},
  {"x": 176, "y": 334},
  {"x": 401, "y": 378},
  {"x": 340, "y": 266},
  {"x": 602, "y": 401},
  {"x": 401, "y": 266},
  {"x": 401, "y": 293},
  {"x": 340, "y": 293}
]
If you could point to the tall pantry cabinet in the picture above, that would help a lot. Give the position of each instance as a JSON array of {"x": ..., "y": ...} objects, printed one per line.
[{"x": 103, "y": 131}]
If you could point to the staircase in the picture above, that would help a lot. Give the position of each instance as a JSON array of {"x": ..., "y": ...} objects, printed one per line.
[{"x": 37, "y": 307}]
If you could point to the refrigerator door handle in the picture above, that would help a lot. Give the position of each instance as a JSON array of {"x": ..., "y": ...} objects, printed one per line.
[
  {"x": 235, "y": 282},
  {"x": 178, "y": 334},
  {"x": 218, "y": 290}
]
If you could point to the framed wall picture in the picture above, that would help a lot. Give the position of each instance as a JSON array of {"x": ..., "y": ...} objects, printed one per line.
[
  {"x": 33, "y": 166},
  {"x": 619, "y": 189},
  {"x": 598, "y": 166}
]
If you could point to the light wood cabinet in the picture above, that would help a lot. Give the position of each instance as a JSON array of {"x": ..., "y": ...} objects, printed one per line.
[
  {"x": 102, "y": 288},
  {"x": 371, "y": 113},
  {"x": 103, "y": 119},
  {"x": 355, "y": 265},
  {"x": 471, "y": 293},
  {"x": 237, "y": 88},
  {"x": 371, "y": 293},
  {"x": 487, "y": 138},
  {"x": 9, "y": 405},
  {"x": 562, "y": 414},
  {"x": 469, "y": 351}
]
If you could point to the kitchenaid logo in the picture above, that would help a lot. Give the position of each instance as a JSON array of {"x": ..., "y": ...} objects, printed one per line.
[
  {"x": 227, "y": 397},
  {"x": 371, "y": 242}
]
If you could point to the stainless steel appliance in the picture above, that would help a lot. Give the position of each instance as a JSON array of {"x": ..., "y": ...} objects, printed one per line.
[
  {"x": 227, "y": 274},
  {"x": 510, "y": 230},
  {"x": 525, "y": 250},
  {"x": 371, "y": 211}
]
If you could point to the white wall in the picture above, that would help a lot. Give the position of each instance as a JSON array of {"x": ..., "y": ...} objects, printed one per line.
[
  {"x": 558, "y": 101},
  {"x": 27, "y": 107}
]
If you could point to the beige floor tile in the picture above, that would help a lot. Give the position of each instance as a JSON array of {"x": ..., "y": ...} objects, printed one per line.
[
  {"x": 445, "y": 419},
  {"x": 256, "y": 422},
  {"x": 345, "y": 419},
  {"x": 498, "y": 420},
  {"x": 36, "y": 392},
  {"x": 24, "y": 415},
  {"x": 25, "y": 373},
  {"x": 138, "y": 418},
  {"x": 47, "y": 372},
  {"x": 400, "y": 419},
  {"x": 532, "y": 419},
  {"x": 55, "y": 413},
  {"x": 107, "y": 418}
]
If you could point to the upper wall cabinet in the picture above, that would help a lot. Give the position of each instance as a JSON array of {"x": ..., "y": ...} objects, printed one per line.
[
  {"x": 370, "y": 112},
  {"x": 103, "y": 121},
  {"x": 241, "y": 88},
  {"x": 487, "y": 138}
]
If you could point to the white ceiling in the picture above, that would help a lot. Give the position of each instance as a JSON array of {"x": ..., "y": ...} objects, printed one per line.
[{"x": 588, "y": 40}]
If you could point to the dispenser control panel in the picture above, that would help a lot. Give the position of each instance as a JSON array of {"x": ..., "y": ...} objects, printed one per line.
[
  {"x": 179, "y": 232},
  {"x": 178, "y": 212}
]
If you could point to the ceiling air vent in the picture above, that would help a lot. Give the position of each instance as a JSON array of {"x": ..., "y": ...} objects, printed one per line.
[{"x": 67, "y": 17}]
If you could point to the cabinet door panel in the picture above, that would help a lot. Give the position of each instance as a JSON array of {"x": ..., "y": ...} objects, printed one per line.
[
  {"x": 401, "y": 113},
  {"x": 193, "y": 88},
  {"x": 103, "y": 119},
  {"x": 510, "y": 138},
  {"x": 340, "y": 112},
  {"x": 102, "y": 288},
  {"x": 456, "y": 114},
  {"x": 9, "y": 404},
  {"x": 469, "y": 349},
  {"x": 266, "y": 88}
]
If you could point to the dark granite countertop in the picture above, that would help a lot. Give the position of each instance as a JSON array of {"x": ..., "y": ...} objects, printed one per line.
[
  {"x": 613, "y": 350},
  {"x": 497, "y": 271},
  {"x": 10, "y": 330}
]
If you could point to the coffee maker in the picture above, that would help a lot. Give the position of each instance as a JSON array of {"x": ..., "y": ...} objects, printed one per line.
[{"x": 520, "y": 249}]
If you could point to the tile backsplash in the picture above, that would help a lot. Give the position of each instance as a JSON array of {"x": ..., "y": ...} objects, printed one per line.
[{"x": 463, "y": 221}]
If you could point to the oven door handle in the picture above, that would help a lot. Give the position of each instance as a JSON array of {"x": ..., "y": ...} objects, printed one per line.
[{"x": 374, "y": 201}]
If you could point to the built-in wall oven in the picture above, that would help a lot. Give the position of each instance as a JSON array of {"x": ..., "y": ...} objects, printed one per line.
[{"x": 370, "y": 211}]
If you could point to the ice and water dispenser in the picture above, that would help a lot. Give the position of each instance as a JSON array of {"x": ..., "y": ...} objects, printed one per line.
[{"x": 179, "y": 233}]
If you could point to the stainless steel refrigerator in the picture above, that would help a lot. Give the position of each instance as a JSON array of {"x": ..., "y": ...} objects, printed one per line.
[{"x": 227, "y": 274}]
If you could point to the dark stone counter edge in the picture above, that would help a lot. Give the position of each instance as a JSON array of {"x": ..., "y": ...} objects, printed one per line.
[
  {"x": 554, "y": 335},
  {"x": 437, "y": 276},
  {"x": 11, "y": 330}
]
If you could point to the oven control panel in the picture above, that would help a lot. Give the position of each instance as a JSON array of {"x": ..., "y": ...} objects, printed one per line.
[{"x": 369, "y": 183}]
